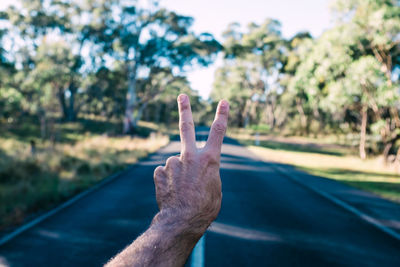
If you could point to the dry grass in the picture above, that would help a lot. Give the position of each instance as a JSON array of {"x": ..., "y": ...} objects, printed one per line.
[{"x": 30, "y": 184}]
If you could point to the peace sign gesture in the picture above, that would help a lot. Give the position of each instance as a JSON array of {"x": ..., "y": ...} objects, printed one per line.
[
  {"x": 188, "y": 192},
  {"x": 188, "y": 188},
  {"x": 187, "y": 133}
]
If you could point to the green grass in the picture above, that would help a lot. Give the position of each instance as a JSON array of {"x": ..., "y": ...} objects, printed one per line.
[
  {"x": 82, "y": 156},
  {"x": 334, "y": 162},
  {"x": 296, "y": 147},
  {"x": 383, "y": 184},
  {"x": 69, "y": 132}
]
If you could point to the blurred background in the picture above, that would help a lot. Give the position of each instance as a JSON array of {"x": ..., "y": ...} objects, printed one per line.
[{"x": 89, "y": 87}]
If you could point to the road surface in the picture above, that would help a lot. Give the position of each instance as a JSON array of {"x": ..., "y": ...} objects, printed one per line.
[{"x": 266, "y": 220}]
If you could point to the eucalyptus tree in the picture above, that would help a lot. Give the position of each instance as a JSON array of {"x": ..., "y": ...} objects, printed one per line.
[
  {"x": 9, "y": 97},
  {"x": 147, "y": 39},
  {"x": 249, "y": 77},
  {"x": 349, "y": 70},
  {"x": 233, "y": 83},
  {"x": 145, "y": 43},
  {"x": 373, "y": 32},
  {"x": 294, "y": 101},
  {"x": 45, "y": 33},
  {"x": 322, "y": 62},
  {"x": 376, "y": 28},
  {"x": 163, "y": 107}
]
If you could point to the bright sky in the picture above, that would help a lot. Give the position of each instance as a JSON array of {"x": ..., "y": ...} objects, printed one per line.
[{"x": 213, "y": 16}]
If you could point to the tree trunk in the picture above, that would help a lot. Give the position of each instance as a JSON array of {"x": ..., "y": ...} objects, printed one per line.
[
  {"x": 240, "y": 120},
  {"x": 157, "y": 114},
  {"x": 303, "y": 117},
  {"x": 63, "y": 104},
  {"x": 270, "y": 115},
  {"x": 131, "y": 99},
  {"x": 385, "y": 153},
  {"x": 253, "y": 113},
  {"x": 389, "y": 144},
  {"x": 397, "y": 160},
  {"x": 71, "y": 108},
  {"x": 43, "y": 126},
  {"x": 166, "y": 117},
  {"x": 320, "y": 120},
  {"x": 68, "y": 110},
  {"x": 246, "y": 113},
  {"x": 389, "y": 134},
  {"x": 139, "y": 113},
  {"x": 363, "y": 133}
]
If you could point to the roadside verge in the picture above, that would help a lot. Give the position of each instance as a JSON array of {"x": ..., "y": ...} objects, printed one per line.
[
  {"x": 382, "y": 214},
  {"x": 26, "y": 226}
]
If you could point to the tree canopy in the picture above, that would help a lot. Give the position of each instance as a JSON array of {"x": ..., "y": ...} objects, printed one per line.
[
  {"x": 346, "y": 80},
  {"x": 96, "y": 57},
  {"x": 127, "y": 61}
]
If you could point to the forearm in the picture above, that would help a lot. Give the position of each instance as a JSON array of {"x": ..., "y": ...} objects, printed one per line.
[{"x": 167, "y": 242}]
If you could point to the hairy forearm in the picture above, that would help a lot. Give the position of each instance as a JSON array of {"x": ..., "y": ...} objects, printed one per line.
[{"x": 167, "y": 242}]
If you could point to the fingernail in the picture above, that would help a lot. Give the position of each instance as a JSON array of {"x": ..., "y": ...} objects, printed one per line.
[{"x": 182, "y": 98}]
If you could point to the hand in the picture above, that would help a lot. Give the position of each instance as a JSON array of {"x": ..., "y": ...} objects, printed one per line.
[
  {"x": 188, "y": 191},
  {"x": 188, "y": 188}
]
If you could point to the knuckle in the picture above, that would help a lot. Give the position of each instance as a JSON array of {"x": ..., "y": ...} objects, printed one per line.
[
  {"x": 159, "y": 171},
  {"x": 184, "y": 106},
  {"x": 219, "y": 127},
  {"x": 186, "y": 126},
  {"x": 210, "y": 157},
  {"x": 172, "y": 161},
  {"x": 188, "y": 156}
]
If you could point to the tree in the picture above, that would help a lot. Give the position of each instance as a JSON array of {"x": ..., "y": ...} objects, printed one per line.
[
  {"x": 150, "y": 39},
  {"x": 349, "y": 69},
  {"x": 293, "y": 99},
  {"x": 36, "y": 24},
  {"x": 249, "y": 78},
  {"x": 54, "y": 77},
  {"x": 9, "y": 98}
]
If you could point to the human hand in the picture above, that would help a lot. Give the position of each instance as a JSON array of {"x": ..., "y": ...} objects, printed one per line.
[
  {"x": 188, "y": 192},
  {"x": 188, "y": 188}
]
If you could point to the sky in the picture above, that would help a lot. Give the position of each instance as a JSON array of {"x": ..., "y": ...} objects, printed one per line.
[{"x": 213, "y": 16}]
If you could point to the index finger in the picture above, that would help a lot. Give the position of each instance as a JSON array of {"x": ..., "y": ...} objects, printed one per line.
[
  {"x": 218, "y": 128},
  {"x": 186, "y": 125}
]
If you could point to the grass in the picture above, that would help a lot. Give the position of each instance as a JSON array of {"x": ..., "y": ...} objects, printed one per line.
[
  {"x": 331, "y": 161},
  {"x": 33, "y": 183}
]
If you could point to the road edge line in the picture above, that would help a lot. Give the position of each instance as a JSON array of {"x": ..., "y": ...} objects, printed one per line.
[
  {"x": 365, "y": 217},
  {"x": 19, "y": 230}
]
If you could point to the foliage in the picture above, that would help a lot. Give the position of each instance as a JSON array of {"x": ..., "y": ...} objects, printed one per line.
[
  {"x": 345, "y": 81},
  {"x": 109, "y": 58},
  {"x": 248, "y": 78}
]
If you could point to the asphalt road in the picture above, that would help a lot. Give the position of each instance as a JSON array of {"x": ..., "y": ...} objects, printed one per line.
[{"x": 266, "y": 220}]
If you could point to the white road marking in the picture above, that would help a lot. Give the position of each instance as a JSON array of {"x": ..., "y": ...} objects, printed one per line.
[
  {"x": 198, "y": 253},
  {"x": 365, "y": 217},
  {"x": 243, "y": 233}
]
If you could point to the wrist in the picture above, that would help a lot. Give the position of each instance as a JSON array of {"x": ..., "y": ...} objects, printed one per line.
[{"x": 179, "y": 224}]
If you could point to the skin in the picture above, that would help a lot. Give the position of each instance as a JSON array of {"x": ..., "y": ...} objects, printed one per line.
[{"x": 188, "y": 192}]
